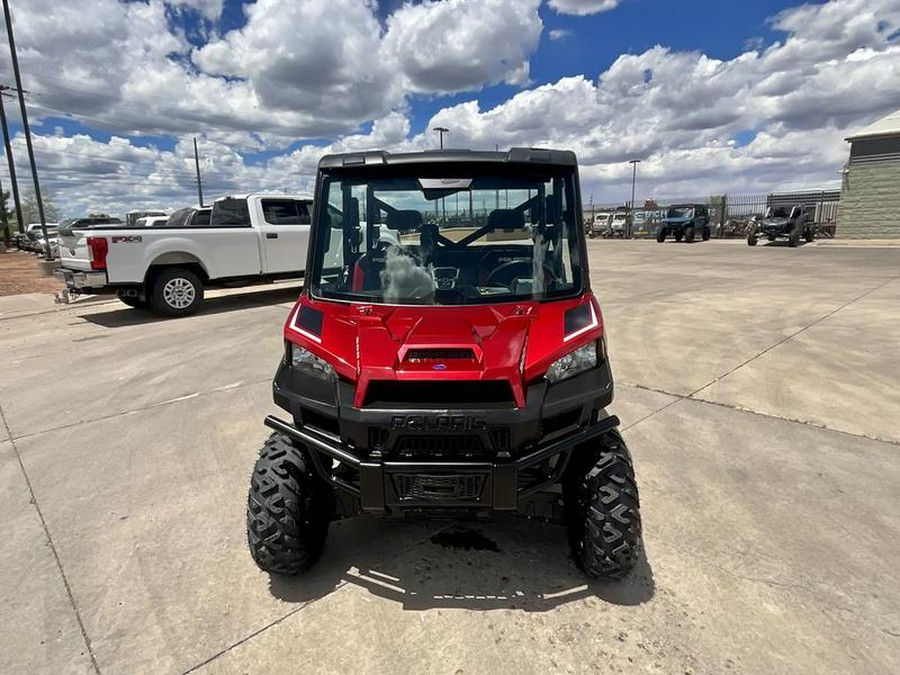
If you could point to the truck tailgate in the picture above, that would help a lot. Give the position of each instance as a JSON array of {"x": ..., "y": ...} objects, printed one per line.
[{"x": 73, "y": 250}]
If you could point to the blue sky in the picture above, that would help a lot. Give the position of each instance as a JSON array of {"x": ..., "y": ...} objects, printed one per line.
[{"x": 713, "y": 96}]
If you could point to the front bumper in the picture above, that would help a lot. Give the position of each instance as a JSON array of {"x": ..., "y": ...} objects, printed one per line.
[
  {"x": 428, "y": 458},
  {"x": 440, "y": 487},
  {"x": 76, "y": 280}
]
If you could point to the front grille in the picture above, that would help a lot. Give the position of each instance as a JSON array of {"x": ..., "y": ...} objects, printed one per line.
[
  {"x": 500, "y": 438},
  {"x": 439, "y": 354},
  {"x": 377, "y": 437},
  {"x": 431, "y": 393},
  {"x": 465, "y": 487},
  {"x": 438, "y": 446}
]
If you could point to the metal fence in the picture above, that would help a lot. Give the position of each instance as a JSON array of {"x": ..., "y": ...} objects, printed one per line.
[{"x": 729, "y": 215}]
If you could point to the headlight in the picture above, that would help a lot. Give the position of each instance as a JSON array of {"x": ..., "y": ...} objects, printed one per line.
[
  {"x": 582, "y": 359},
  {"x": 305, "y": 360}
]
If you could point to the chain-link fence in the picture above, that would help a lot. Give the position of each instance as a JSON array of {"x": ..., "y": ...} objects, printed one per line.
[{"x": 729, "y": 215}]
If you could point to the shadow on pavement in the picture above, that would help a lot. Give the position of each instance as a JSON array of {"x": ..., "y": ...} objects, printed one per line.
[
  {"x": 120, "y": 315},
  {"x": 509, "y": 564}
]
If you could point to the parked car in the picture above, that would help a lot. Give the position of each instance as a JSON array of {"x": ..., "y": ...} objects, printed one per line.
[
  {"x": 89, "y": 222},
  {"x": 600, "y": 225},
  {"x": 249, "y": 239},
  {"x": 685, "y": 221},
  {"x": 132, "y": 217},
  {"x": 445, "y": 377},
  {"x": 617, "y": 225},
  {"x": 34, "y": 236},
  {"x": 780, "y": 223}
]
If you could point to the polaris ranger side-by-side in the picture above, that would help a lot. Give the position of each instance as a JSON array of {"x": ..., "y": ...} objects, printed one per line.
[
  {"x": 685, "y": 221},
  {"x": 446, "y": 359}
]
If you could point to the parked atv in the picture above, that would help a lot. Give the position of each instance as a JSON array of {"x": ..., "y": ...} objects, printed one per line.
[
  {"x": 685, "y": 221},
  {"x": 441, "y": 367},
  {"x": 779, "y": 224}
]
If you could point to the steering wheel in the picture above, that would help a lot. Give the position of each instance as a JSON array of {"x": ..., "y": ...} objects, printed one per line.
[{"x": 505, "y": 273}]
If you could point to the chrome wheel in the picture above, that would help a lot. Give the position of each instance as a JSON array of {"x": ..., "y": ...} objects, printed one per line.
[{"x": 179, "y": 293}]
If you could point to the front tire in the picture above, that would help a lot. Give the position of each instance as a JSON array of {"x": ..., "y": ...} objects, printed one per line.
[
  {"x": 177, "y": 292},
  {"x": 794, "y": 237},
  {"x": 689, "y": 234},
  {"x": 661, "y": 235},
  {"x": 705, "y": 235},
  {"x": 809, "y": 235},
  {"x": 288, "y": 509},
  {"x": 603, "y": 510}
]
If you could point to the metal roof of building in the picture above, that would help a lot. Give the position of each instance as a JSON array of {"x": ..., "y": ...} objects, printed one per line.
[{"x": 886, "y": 126}]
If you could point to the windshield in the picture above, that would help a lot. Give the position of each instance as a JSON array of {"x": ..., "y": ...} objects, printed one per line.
[
  {"x": 680, "y": 212},
  {"x": 447, "y": 240}
]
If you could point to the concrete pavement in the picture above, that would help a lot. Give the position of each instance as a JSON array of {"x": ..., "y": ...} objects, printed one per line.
[{"x": 757, "y": 389}]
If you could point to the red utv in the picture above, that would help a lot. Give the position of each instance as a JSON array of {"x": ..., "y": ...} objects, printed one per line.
[{"x": 446, "y": 358}]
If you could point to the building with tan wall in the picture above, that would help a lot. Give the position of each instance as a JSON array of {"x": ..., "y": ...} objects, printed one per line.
[{"x": 870, "y": 192}]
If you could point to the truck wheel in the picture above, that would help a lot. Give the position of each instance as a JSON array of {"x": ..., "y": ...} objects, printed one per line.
[
  {"x": 603, "y": 510},
  {"x": 288, "y": 509},
  {"x": 661, "y": 235},
  {"x": 177, "y": 292},
  {"x": 133, "y": 301},
  {"x": 705, "y": 235},
  {"x": 794, "y": 237},
  {"x": 689, "y": 234}
]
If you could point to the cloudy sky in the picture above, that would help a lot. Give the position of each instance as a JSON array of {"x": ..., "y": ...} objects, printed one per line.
[{"x": 714, "y": 96}]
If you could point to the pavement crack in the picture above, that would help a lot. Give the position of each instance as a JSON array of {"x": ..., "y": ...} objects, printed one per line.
[
  {"x": 144, "y": 408},
  {"x": 742, "y": 409},
  {"x": 51, "y": 544},
  {"x": 794, "y": 334},
  {"x": 338, "y": 586}
]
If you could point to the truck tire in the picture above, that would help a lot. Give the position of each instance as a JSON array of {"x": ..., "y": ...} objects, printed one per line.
[
  {"x": 133, "y": 301},
  {"x": 794, "y": 237},
  {"x": 661, "y": 235},
  {"x": 603, "y": 510},
  {"x": 288, "y": 509},
  {"x": 176, "y": 292},
  {"x": 689, "y": 234}
]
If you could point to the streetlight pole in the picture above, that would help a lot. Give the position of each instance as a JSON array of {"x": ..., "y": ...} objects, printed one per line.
[
  {"x": 442, "y": 131},
  {"x": 25, "y": 128},
  {"x": 11, "y": 162},
  {"x": 634, "y": 163}
]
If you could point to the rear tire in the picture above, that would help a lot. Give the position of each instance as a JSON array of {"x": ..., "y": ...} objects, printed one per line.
[
  {"x": 678, "y": 235},
  {"x": 689, "y": 234},
  {"x": 661, "y": 235},
  {"x": 603, "y": 509},
  {"x": 809, "y": 235},
  {"x": 751, "y": 236},
  {"x": 176, "y": 292},
  {"x": 705, "y": 235},
  {"x": 794, "y": 237},
  {"x": 288, "y": 509}
]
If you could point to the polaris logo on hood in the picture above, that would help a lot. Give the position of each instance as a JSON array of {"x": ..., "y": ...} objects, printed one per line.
[{"x": 448, "y": 423}]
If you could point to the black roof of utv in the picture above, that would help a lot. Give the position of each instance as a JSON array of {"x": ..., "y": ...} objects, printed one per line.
[{"x": 513, "y": 155}]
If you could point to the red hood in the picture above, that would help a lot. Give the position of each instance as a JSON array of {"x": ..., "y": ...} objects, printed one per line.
[{"x": 476, "y": 342}]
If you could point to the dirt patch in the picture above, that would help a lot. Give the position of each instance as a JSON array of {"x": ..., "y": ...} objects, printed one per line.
[{"x": 19, "y": 274}]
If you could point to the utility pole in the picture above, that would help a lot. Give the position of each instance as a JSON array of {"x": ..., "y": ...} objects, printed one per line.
[
  {"x": 197, "y": 165},
  {"x": 634, "y": 163},
  {"x": 12, "y": 164},
  {"x": 25, "y": 128},
  {"x": 3, "y": 222},
  {"x": 442, "y": 131}
]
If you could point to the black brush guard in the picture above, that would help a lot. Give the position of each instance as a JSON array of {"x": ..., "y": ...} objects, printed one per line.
[{"x": 387, "y": 486}]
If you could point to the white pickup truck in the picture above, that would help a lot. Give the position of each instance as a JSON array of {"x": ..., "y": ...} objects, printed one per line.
[{"x": 249, "y": 238}]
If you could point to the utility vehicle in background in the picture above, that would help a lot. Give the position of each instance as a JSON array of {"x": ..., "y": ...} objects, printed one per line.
[
  {"x": 446, "y": 359},
  {"x": 780, "y": 223},
  {"x": 685, "y": 221}
]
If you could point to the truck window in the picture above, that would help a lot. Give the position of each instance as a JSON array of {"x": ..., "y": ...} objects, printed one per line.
[
  {"x": 230, "y": 213},
  {"x": 286, "y": 212}
]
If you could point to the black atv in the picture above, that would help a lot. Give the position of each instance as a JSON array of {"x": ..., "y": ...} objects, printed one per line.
[
  {"x": 685, "y": 221},
  {"x": 445, "y": 367},
  {"x": 781, "y": 224}
]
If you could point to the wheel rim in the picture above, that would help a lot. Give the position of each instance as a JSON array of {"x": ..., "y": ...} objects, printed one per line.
[{"x": 179, "y": 293}]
